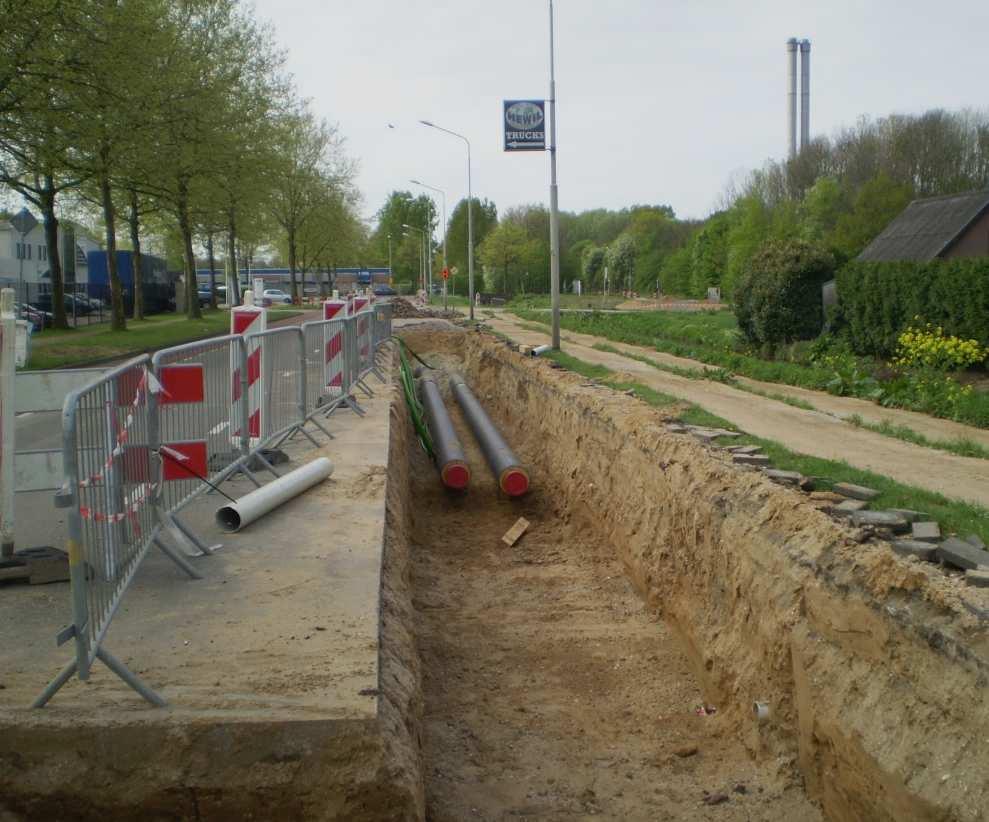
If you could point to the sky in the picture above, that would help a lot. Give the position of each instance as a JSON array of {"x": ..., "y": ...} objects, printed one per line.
[{"x": 658, "y": 102}]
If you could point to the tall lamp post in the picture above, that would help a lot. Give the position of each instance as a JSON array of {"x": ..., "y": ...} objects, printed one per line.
[
  {"x": 442, "y": 194},
  {"x": 554, "y": 211},
  {"x": 422, "y": 252},
  {"x": 470, "y": 216}
]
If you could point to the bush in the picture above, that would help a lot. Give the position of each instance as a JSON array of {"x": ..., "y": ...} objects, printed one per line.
[
  {"x": 880, "y": 300},
  {"x": 778, "y": 298}
]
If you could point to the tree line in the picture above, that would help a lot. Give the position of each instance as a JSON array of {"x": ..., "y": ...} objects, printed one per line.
[{"x": 178, "y": 120}]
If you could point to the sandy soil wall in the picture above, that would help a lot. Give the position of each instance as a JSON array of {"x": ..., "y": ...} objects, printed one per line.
[{"x": 874, "y": 670}]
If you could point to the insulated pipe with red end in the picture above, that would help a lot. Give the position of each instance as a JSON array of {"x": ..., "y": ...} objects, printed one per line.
[
  {"x": 450, "y": 459},
  {"x": 512, "y": 476}
]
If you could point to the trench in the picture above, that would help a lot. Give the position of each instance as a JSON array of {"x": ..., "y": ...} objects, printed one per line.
[{"x": 550, "y": 689}]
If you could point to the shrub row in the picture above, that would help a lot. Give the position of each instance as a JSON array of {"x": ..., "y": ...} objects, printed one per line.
[{"x": 877, "y": 301}]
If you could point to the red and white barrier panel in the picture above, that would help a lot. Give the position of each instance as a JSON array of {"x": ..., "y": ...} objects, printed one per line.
[
  {"x": 333, "y": 346},
  {"x": 249, "y": 319},
  {"x": 176, "y": 384},
  {"x": 363, "y": 326}
]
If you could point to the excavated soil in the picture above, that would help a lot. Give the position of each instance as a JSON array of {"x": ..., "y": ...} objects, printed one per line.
[
  {"x": 550, "y": 690},
  {"x": 562, "y": 677}
]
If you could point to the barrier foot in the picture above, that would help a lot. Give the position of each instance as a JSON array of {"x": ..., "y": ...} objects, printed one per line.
[
  {"x": 191, "y": 536},
  {"x": 315, "y": 422},
  {"x": 302, "y": 430},
  {"x": 353, "y": 405},
  {"x": 267, "y": 464},
  {"x": 243, "y": 469},
  {"x": 52, "y": 688},
  {"x": 127, "y": 676},
  {"x": 178, "y": 559}
]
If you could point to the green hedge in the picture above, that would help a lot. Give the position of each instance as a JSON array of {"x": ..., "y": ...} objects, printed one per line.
[
  {"x": 878, "y": 300},
  {"x": 778, "y": 297}
]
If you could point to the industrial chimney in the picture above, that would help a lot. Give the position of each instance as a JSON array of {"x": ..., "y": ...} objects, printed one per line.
[
  {"x": 791, "y": 97},
  {"x": 804, "y": 94}
]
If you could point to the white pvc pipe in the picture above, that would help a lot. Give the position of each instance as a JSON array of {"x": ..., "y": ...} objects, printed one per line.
[{"x": 244, "y": 511}]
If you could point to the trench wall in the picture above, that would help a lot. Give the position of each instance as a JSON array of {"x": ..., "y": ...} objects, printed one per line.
[{"x": 874, "y": 672}]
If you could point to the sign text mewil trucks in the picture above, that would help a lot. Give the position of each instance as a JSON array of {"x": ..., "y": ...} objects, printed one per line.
[{"x": 525, "y": 125}]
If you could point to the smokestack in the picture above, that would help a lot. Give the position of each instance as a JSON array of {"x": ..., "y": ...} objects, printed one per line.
[
  {"x": 791, "y": 97},
  {"x": 804, "y": 94}
]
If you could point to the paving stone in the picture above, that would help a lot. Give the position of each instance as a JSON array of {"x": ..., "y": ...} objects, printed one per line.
[
  {"x": 881, "y": 519},
  {"x": 977, "y": 579},
  {"x": 964, "y": 555},
  {"x": 915, "y": 548},
  {"x": 926, "y": 531},
  {"x": 704, "y": 436},
  {"x": 910, "y": 516},
  {"x": 847, "y": 489},
  {"x": 807, "y": 484},
  {"x": 725, "y": 433},
  {"x": 745, "y": 449},
  {"x": 751, "y": 459},
  {"x": 788, "y": 477},
  {"x": 849, "y": 507},
  {"x": 973, "y": 539},
  {"x": 676, "y": 428}
]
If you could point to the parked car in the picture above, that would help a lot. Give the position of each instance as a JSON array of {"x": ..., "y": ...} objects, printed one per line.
[
  {"x": 39, "y": 319},
  {"x": 276, "y": 295},
  {"x": 384, "y": 291}
]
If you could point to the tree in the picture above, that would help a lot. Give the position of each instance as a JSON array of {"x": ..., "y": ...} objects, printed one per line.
[
  {"x": 311, "y": 167},
  {"x": 592, "y": 267},
  {"x": 485, "y": 218},
  {"x": 504, "y": 247},
  {"x": 710, "y": 254},
  {"x": 878, "y": 202},
  {"x": 620, "y": 259}
]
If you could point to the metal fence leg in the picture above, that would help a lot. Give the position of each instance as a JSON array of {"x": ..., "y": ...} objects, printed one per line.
[
  {"x": 351, "y": 402},
  {"x": 177, "y": 558},
  {"x": 315, "y": 422},
  {"x": 52, "y": 688},
  {"x": 191, "y": 535},
  {"x": 266, "y": 464},
  {"x": 128, "y": 676},
  {"x": 364, "y": 388}
]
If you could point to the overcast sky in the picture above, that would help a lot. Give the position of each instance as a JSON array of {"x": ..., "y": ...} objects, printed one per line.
[{"x": 659, "y": 102}]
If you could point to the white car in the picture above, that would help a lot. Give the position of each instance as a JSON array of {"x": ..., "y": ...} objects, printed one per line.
[{"x": 276, "y": 295}]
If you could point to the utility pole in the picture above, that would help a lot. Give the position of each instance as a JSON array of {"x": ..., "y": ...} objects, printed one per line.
[{"x": 554, "y": 212}]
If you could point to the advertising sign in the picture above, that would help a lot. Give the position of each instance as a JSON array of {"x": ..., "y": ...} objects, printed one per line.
[{"x": 525, "y": 125}]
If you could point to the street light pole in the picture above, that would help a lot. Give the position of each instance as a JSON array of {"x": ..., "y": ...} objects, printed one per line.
[
  {"x": 554, "y": 212},
  {"x": 442, "y": 194},
  {"x": 390, "y": 272},
  {"x": 470, "y": 217}
]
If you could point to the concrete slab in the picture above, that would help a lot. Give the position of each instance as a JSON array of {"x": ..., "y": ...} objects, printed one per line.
[
  {"x": 915, "y": 548},
  {"x": 750, "y": 459},
  {"x": 848, "y": 489},
  {"x": 963, "y": 555},
  {"x": 282, "y": 632},
  {"x": 926, "y": 531},
  {"x": 881, "y": 519}
]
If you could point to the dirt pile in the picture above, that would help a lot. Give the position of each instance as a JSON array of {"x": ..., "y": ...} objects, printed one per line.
[
  {"x": 404, "y": 309},
  {"x": 874, "y": 673}
]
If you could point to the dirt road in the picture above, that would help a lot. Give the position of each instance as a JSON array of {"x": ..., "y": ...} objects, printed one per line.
[
  {"x": 550, "y": 691},
  {"x": 815, "y": 433}
]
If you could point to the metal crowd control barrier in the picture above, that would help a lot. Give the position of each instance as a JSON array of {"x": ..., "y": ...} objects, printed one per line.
[
  {"x": 202, "y": 412},
  {"x": 113, "y": 478},
  {"x": 283, "y": 357},
  {"x": 143, "y": 440}
]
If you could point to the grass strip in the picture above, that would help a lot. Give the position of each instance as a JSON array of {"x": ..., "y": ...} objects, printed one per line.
[{"x": 71, "y": 349}]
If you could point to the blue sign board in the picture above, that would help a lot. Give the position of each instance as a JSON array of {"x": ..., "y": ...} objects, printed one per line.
[{"x": 525, "y": 125}]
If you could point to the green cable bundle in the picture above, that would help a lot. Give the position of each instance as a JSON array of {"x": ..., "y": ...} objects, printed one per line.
[{"x": 411, "y": 400}]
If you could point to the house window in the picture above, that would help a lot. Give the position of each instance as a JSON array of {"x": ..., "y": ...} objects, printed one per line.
[
  {"x": 41, "y": 252},
  {"x": 29, "y": 251}
]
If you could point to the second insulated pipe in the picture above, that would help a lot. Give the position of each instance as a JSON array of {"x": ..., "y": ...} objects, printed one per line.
[
  {"x": 512, "y": 476},
  {"x": 454, "y": 470}
]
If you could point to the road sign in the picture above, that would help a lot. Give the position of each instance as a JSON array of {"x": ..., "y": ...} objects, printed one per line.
[
  {"x": 525, "y": 125},
  {"x": 446, "y": 273},
  {"x": 24, "y": 221}
]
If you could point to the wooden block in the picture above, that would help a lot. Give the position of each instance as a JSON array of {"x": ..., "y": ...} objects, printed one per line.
[{"x": 512, "y": 534}]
